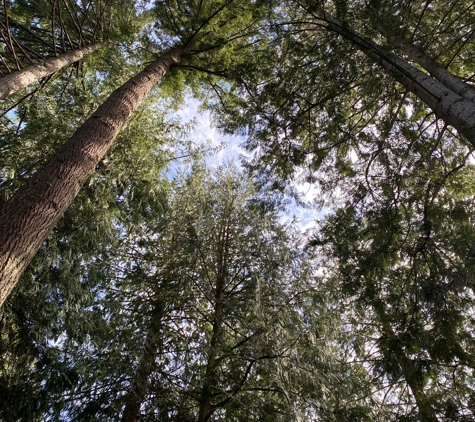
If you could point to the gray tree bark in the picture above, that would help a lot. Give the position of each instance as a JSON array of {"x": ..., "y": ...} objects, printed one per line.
[
  {"x": 448, "y": 105},
  {"x": 452, "y": 108},
  {"x": 20, "y": 79},
  {"x": 29, "y": 216},
  {"x": 138, "y": 389},
  {"x": 438, "y": 72}
]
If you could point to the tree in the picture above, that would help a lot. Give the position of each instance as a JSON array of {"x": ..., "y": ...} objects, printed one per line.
[
  {"x": 299, "y": 116},
  {"x": 241, "y": 348},
  {"x": 22, "y": 78},
  {"x": 54, "y": 296},
  {"x": 400, "y": 248},
  {"x": 41, "y": 38},
  {"x": 195, "y": 303},
  {"x": 386, "y": 168},
  {"x": 28, "y": 217},
  {"x": 158, "y": 291},
  {"x": 224, "y": 267},
  {"x": 447, "y": 95}
]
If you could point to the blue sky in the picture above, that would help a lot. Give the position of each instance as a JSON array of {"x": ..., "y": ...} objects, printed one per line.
[
  {"x": 204, "y": 132},
  {"x": 230, "y": 150}
]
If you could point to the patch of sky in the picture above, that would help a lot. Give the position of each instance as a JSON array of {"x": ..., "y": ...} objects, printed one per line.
[{"x": 223, "y": 148}]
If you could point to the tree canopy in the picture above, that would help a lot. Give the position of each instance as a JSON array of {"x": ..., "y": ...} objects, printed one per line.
[{"x": 139, "y": 284}]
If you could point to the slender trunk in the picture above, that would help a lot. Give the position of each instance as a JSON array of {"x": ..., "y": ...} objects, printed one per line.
[
  {"x": 447, "y": 105},
  {"x": 441, "y": 74},
  {"x": 212, "y": 364},
  {"x": 29, "y": 216},
  {"x": 211, "y": 375},
  {"x": 20, "y": 79},
  {"x": 454, "y": 109},
  {"x": 412, "y": 377},
  {"x": 138, "y": 389}
]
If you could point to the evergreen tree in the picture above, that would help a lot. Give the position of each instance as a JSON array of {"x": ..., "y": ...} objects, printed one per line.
[
  {"x": 346, "y": 70},
  {"x": 40, "y": 38},
  {"x": 17, "y": 80},
  {"x": 189, "y": 300},
  {"x": 31, "y": 213},
  {"x": 55, "y": 293},
  {"x": 400, "y": 246}
]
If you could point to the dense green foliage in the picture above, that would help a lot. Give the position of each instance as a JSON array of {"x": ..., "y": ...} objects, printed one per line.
[{"x": 187, "y": 298}]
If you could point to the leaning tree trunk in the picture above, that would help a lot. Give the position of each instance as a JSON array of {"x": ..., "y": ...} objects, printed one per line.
[
  {"x": 29, "y": 216},
  {"x": 448, "y": 105},
  {"x": 136, "y": 394},
  {"x": 440, "y": 73},
  {"x": 414, "y": 381},
  {"x": 20, "y": 79},
  {"x": 209, "y": 384},
  {"x": 211, "y": 375}
]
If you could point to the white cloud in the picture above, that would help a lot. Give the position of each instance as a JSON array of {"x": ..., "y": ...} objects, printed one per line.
[
  {"x": 229, "y": 145},
  {"x": 230, "y": 150}
]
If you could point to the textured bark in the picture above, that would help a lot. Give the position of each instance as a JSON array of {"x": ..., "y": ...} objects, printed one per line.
[
  {"x": 211, "y": 375},
  {"x": 206, "y": 409},
  {"x": 416, "y": 385},
  {"x": 440, "y": 73},
  {"x": 20, "y": 79},
  {"x": 138, "y": 390},
  {"x": 30, "y": 215},
  {"x": 449, "y": 106},
  {"x": 446, "y": 104}
]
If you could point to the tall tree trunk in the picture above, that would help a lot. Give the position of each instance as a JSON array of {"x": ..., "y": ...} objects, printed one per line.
[
  {"x": 209, "y": 383},
  {"x": 412, "y": 378},
  {"x": 138, "y": 389},
  {"x": 454, "y": 109},
  {"x": 440, "y": 73},
  {"x": 447, "y": 105},
  {"x": 29, "y": 216},
  {"x": 211, "y": 375},
  {"x": 20, "y": 79}
]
